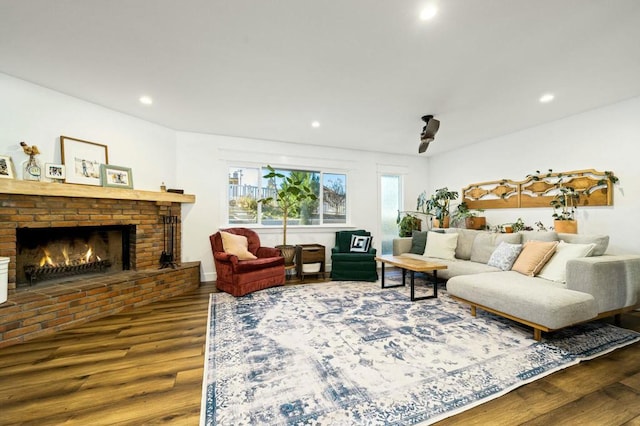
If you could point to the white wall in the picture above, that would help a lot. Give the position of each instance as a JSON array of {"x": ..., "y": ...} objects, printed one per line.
[
  {"x": 39, "y": 116},
  {"x": 194, "y": 162},
  {"x": 604, "y": 139},
  {"x": 203, "y": 165}
]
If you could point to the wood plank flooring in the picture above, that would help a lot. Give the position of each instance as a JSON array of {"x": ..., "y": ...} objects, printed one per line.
[{"x": 145, "y": 368}]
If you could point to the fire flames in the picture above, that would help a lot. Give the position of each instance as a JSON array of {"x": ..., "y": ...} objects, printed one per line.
[{"x": 67, "y": 259}]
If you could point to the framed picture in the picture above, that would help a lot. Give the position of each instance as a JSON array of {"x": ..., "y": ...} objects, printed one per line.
[
  {"x": 82, "y": 160},
  {"x": 116, "y": 177},
  {"x": 54, "y": 171},
  {"x": 6, "y": 167}
]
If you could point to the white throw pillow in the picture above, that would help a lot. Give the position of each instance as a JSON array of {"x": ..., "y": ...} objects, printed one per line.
[
  {"x": 556, "y": 268},
  {"x": 441, "y": 246}
]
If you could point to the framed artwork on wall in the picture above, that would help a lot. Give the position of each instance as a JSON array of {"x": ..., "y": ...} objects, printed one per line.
[
  {"x": 6, "y": 167},
  {"x": 116, "y": 176},
  {"x": 82, "y": 160},
  {"x": 54, "y": 171}
]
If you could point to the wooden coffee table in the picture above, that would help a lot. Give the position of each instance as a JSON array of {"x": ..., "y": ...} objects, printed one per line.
[{"x": 413, "y": 266}]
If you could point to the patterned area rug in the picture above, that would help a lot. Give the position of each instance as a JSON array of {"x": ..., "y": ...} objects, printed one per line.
[{"x": 350, "y": 353}]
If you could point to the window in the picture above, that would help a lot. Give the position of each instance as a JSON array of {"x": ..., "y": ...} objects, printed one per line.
[
  {"x": 334, "y": 190},
  {"x": 247, "y": 186}
]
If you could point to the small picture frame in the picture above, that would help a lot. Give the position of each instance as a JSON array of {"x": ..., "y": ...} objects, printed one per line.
[
  {"x": 55, "y": 172},
  {"x": 116, "y": 176},
  {"x": 6, "y": 168},
  {"x": 82, "y": 160}
]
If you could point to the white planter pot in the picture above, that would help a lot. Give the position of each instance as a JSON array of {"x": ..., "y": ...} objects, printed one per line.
[{"x": 4, "y": 277}]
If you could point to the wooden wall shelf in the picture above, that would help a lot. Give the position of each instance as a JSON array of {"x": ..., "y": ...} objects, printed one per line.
[
  {"x": 505, "y": 193},
  {"x": 11, "y": 186}
]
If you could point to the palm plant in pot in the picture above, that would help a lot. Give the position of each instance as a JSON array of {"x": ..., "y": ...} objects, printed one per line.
[
  {"x": 292, "y": 192},
  {"x": 438, "y": 205}
]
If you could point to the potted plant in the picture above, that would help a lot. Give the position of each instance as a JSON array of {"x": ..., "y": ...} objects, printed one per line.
[
  {"x": 519, "y": 225},
  {"x": 293, "y": 191},
  {"x": 438, "y": 205},
  {"x": 407, "y": 223},
  {"x": 566, "y": 199},
  {"x": 471, "y": 218}
]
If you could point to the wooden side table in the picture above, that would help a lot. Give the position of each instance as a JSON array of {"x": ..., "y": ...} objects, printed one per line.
[{"x": 307, "y": 254}]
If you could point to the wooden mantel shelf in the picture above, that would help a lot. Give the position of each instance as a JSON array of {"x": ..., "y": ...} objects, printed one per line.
[{"x": 10, "y": 186}]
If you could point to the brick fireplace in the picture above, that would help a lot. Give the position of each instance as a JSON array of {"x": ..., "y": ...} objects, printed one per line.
[{"x": 43, "y": 308}]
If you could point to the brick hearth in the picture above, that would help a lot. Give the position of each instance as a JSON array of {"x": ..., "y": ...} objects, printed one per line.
[{"x": 44, "y": 309}]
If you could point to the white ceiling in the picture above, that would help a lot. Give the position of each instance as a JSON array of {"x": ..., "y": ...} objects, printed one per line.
[{"x": 366, "y": 70}]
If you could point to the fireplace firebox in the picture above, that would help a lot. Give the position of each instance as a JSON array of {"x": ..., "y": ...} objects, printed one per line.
[{"x": 46, "y": 254}]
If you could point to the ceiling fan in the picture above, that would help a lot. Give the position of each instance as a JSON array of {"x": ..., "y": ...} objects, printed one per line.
[{"x": 429, "y": 131}]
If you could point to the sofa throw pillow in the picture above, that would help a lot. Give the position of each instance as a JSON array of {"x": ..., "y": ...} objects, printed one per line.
[
  {"x": 505, "y": 255},
  {"x": 486, "y": 242},
  {"x": 533, "y": 257},
  {"x": 441, "y": 246},
  {"x": 237, "y": 245},
  {"x": 556, "y": 268},
  {"x": 360, "y": 244},
  {"x": 418, "y": 242}
]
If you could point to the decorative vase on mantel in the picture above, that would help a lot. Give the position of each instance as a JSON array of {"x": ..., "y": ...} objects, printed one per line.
[{"x": 31, "y": 169}]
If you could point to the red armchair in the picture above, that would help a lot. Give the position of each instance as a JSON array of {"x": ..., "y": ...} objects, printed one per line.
[{"x": 240, "y": 277}]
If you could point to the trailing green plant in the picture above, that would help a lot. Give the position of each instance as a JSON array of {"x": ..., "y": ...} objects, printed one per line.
[
  {"x": 519, "y": 225},
  {"x": 407, "y": 223},
  {"x": 463, "y": 212},
  {"x": 293, "y": 191},
  {"x": 438, "y": 204}
]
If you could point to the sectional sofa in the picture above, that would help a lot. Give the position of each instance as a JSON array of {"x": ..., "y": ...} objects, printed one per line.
[{"x": 576, "y": 282}]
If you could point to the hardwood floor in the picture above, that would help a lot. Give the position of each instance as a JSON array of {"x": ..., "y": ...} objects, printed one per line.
[{"x": 145, "y": 367}]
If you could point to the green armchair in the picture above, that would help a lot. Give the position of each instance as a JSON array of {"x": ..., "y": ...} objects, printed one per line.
[{"x": 353, "y": 260}]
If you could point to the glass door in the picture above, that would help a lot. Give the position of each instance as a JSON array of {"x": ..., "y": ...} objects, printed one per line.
[{"x": 390, "y": 201}]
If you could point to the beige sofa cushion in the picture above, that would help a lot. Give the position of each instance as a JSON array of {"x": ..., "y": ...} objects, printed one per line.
[
  {"x": 465, "y": 241},
  {"x": 531, "y": 299},
  {"x": 601, "y": 241},
  {"x": 486, "y": 242},
  {"x": 539, "y": 236}
]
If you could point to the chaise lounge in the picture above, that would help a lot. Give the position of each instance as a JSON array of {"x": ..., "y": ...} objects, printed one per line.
[{"x": 570, "y": 291}]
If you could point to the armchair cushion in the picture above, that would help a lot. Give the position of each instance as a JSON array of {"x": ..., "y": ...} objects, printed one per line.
[
  {"x": 257, "y": 264},
  {"x": 236, "y": 244}
]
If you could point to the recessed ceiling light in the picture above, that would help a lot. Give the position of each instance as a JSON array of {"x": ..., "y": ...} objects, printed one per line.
[
  {"x": 146, "y": 100},
  {"x": 428, "y": 12},
  {"x": 546, "y": 98},
  {"x": 315, "y": 124}
]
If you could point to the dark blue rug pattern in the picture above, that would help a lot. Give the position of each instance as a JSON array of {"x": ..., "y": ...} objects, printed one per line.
[{"x": 350, "y": 353}]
